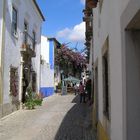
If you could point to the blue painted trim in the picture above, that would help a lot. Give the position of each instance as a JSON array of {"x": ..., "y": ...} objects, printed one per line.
[
  {"x": 47, "y": 91},
  {"x": 51, "y": 54}
]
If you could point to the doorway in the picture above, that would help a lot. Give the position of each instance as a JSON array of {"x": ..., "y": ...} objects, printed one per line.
[{"x": 132, "y": 48}]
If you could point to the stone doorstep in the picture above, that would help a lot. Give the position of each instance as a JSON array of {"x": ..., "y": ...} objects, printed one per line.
[{"x": 9, "y": 109}]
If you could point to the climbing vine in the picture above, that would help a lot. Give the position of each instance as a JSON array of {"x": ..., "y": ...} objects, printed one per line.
[{"x": 66, "y": 58}]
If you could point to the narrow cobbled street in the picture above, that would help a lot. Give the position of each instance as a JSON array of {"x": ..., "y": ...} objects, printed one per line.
[{"x": 59, "y": 118}]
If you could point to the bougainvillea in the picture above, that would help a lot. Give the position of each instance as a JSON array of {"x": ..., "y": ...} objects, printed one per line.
[{"x": 66, "y": 58}]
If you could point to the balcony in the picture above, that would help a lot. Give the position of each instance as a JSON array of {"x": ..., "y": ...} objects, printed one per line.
[
  {"x": 88, "y": 38},
  {"x": 89, "y": 33},
  {"x": 89, "y": 28},
  {"x": 87, "y": 12},
  {"x": 91, "y": 3},
  {"x": 87, "y": 43},
  {"x": 28, "y": 45}
]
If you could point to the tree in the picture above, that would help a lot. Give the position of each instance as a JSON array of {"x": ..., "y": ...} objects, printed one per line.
[{"x": 69, "y": 60}]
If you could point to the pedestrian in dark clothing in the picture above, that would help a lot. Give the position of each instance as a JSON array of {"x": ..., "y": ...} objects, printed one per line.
[
  {"x": 82, "y": 93},
  {"x": 25, "y": 85}
]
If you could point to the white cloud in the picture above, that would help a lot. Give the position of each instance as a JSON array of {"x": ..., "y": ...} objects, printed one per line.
[
  {"x": 83, "y": 2},
  {"x": 76, "y": 34},
  {"x": 63, "y": 33}
]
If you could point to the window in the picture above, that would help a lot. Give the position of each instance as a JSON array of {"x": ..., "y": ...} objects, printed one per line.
[
  {"x": 13, "y": 81},
  {"x": 25, "y": 32},
  {"x": 106, "y": 104},
  {"x": 14, "y": 21},
  {"x": 25, "y": 27},
  {"x": 34, "y": 38}
]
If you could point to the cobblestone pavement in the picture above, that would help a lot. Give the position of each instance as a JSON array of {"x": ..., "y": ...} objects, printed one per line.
[{"x": 59, "y": 118}]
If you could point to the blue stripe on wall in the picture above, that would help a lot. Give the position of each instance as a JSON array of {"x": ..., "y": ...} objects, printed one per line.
[
  {"x": 47, "y": 91},
  {"x": 51, "y": 54}
]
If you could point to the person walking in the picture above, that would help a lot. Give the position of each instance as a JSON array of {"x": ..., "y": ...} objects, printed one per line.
[
  {"x": 82, "y": 92},
  {"x": 75, "y": 89}
]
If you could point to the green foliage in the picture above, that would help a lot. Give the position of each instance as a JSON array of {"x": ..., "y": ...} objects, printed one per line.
[
  {"x": 33, "y": 99},
  {"x": 30, "y": 104},
  {"x": 69, "y": 60},
  {"x": 59, "y": 85}
]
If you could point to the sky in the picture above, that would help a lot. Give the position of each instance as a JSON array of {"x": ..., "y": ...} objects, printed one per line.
[{"x": 64, "y": 21}]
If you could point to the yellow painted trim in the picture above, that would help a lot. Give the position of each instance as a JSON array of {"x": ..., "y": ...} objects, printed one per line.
[
  {"x": 94, "y": 119},
  {"x": 101, "y": 133},
  {"x": 105, "y": 46}
]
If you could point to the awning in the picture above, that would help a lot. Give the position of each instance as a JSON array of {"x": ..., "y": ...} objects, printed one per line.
[{"x": 71, "y": 79}]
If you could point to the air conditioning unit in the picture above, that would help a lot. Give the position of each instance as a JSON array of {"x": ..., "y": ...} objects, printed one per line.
[
  {"x": 42, "y": 61},
  {"x": 15, "y": 35}
]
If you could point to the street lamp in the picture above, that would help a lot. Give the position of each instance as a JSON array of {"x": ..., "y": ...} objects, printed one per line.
[{"x": 67, "y": 43}]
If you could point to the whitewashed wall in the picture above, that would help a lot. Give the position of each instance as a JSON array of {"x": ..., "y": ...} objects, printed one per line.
[
  {"x": 108, "y": 24},
  {"x": 47, "y": 74},
  {"x": 45, "y": 48},
  {"x": 1, "y": 11},
  {"x": 26, "y": 11},
  {"x": 0, "y": 18}
]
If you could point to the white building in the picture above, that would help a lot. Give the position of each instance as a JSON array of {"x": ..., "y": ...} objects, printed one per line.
[
  {"x": 47, "y": 67},
  {"x": 116, "y": 33},
  {"x": 20, "y": 37},
  {"x": 50, "y": 73}
]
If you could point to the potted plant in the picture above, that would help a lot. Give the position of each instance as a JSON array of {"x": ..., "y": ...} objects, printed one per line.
[{"x": 33, "y": 99}]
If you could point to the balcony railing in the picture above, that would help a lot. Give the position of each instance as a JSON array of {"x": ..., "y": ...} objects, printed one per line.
[
  {"x": 88, "y": 33},
  {"x": 87, "y": 19},
  {"x": 87, "y": 43},
  {"x": 28, "y": 45},
  {"x": 28, "y": 39}
]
